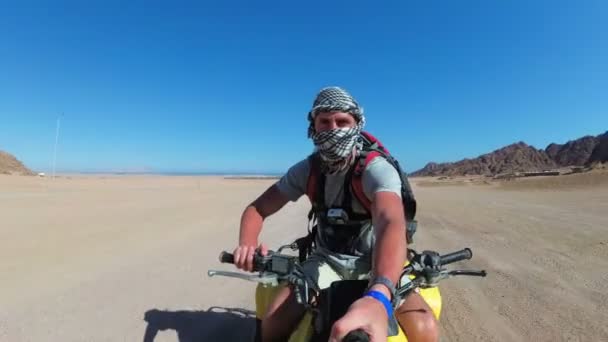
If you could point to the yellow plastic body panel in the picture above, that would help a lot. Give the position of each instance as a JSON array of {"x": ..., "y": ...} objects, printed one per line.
[{"x": 265, "y": 294}]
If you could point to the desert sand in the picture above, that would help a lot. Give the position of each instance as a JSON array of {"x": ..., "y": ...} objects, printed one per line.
[{"x": 124, "y": 258}]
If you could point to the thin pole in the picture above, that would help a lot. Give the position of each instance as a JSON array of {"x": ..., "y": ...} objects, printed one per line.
[{"x": 56, "y": 142}]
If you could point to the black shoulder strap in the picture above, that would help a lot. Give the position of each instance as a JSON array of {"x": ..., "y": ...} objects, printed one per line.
[
  {"x": 347, "y": 200},
  {"x": 320, "y": 193},
  {"x": 318, "y": 200}
]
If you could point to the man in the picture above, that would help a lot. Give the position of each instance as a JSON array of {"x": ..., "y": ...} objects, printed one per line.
[{"x": 336, "y": 121}]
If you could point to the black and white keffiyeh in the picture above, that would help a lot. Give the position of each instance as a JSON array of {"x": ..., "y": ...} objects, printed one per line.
[
  {"x": 337, "y": 147},
  {"x": 333, "y": 99},
  {"x": 337, "y": 143}
]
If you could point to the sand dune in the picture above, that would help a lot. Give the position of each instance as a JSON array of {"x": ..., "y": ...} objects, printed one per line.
[{"x": 108, "y": 258}]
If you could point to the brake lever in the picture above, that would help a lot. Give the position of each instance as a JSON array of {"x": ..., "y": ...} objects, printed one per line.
[
  {"x": 292, "y": 246},
  {"x": 473, "y": 273},
  {"x": 263, "y": 278},
  {"x": 401, "y": 291}
]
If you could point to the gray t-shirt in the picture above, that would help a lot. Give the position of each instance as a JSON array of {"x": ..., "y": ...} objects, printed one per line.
[{"x": 379, "y": 175}]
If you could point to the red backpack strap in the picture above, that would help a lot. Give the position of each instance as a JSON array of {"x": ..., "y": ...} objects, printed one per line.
[
  {"x": 357, "y": 182},
  {"x": 357, "y": 185},
  {"x": 313, "y": 178},
  {"x": 372, "y": 148}
]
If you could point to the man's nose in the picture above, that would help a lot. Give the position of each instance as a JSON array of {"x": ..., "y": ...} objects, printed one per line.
[{"x": 332, "y": 124}]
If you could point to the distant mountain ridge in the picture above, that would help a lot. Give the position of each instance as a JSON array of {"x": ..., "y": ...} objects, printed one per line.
[
  {"x": 600, "y": 152},
  {"x": 11, "y": 165},
  {"x": 520, "y": 157}
]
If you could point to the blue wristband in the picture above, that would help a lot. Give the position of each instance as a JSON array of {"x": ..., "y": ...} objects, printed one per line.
[{"x": 382, "y": 298}]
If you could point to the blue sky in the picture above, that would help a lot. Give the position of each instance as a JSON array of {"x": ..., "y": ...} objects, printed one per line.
[{"x": 226, "y": 85}]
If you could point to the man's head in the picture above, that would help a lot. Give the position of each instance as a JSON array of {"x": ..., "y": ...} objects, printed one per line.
[{"x": 335, "y": 122}]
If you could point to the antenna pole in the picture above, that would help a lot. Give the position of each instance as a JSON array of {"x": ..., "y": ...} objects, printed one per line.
[{"x": 56, "y": 142}]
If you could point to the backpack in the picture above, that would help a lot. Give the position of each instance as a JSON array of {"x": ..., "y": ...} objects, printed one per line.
[{"x": 353, "y": 184}]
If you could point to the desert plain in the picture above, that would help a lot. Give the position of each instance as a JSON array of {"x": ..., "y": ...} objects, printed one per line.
[{"x": 125, "y": 258}]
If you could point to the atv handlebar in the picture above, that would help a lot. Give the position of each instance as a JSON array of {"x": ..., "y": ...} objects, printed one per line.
[
  {"x": 464, "y": 254},
  {"x": 356, "y": 336},
  {"x": 272, "y": 262},
  {"x": 436, "y": 260},
  {"x": 226, "y": 258}
]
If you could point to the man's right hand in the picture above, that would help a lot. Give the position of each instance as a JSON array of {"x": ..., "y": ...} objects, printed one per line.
[{"x": 243, "y": 256}]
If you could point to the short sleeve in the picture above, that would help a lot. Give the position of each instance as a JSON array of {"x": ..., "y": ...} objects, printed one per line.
[
  {"x": 380, "y": 175},
  {"x": 293, "y": 183}
]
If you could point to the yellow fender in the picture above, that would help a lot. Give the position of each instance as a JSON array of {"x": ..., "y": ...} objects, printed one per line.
[
  {"x": 264, "y": 294},
  {"x": 432, "y": 297}
]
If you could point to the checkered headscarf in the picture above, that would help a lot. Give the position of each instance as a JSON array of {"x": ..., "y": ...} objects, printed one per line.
[
  {"x": 333, "y": 99},
  {"x": 337, "y": 147}
]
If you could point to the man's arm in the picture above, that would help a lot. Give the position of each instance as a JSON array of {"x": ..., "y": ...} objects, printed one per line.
[
  {"x": 382, "y": 185},
  {"x": 390, "y": 250},
  {"x": 251, "y": 221},
  {"x": 390, "y": 254},
  {"x": 251, "y": 225},
  {"x": 289, "y": 188}
]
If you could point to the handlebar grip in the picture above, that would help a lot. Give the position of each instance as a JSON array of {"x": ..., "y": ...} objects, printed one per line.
[
  {"x": 456, "y": 256},
  {"x": 226, "y": 258},
  {"x": 356, "y": 336}
]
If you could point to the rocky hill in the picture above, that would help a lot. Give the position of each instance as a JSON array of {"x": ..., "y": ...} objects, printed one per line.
[
  {"x": 11, "y": 165},
  {"x": 574, "y": 152},
  {"x": 600, "y": 152},
  {"x": 520, "y": 157},
  {"x": 516, "y": 157}
]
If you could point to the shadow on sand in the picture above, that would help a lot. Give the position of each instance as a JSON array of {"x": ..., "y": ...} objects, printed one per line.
[{"x": 215, "y": 324}]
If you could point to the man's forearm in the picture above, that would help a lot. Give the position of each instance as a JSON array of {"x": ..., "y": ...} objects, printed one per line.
[
  {"x": 251, "y": 226},
  {"x": 390, "y": 252}
]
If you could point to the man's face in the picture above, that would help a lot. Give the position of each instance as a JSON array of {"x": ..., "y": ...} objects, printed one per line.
[{"x": 325, "y": 121}]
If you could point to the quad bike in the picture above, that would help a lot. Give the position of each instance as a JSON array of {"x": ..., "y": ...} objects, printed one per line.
[{"x": 324, "y": 307}]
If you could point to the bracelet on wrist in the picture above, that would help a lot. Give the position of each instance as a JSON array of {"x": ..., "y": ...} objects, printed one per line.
[{"x": 379, "y": 296}]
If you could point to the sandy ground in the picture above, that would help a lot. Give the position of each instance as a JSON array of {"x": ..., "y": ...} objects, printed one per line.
[{"x": 88, "y": 258}]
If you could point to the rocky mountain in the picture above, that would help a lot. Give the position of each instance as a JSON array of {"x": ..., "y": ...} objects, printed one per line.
[
  {"x": 11, "y": 165},
  {"x": 600, "y": 152},
  {"x": 574, "y": 152},
  {"x": 516, "y": 157},
  {"x": 520, "y": 157}
]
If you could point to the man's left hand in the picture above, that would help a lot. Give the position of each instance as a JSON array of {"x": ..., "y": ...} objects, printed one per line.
[{"x": 367, "y": 314}]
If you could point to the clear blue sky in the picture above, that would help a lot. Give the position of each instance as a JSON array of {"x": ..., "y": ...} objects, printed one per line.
[{"x": 226, "y": 85}]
